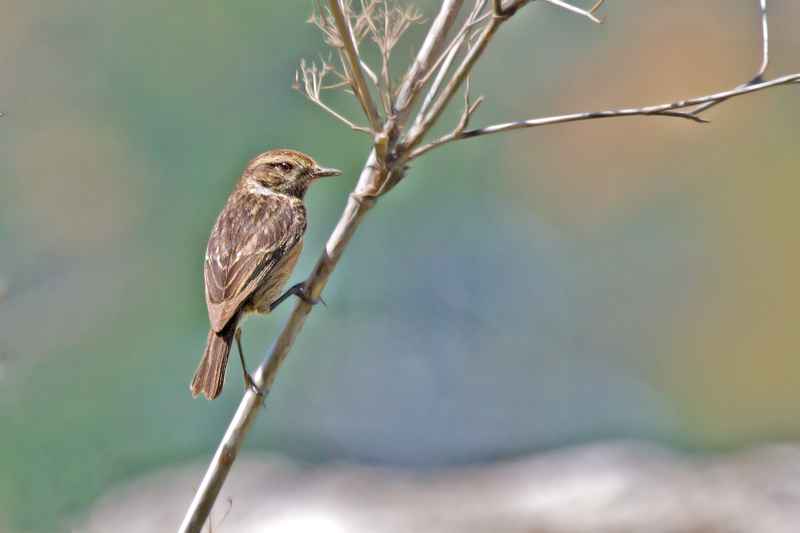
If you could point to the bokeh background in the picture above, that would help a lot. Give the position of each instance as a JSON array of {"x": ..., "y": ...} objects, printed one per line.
[{"x": 622, "y": 279}]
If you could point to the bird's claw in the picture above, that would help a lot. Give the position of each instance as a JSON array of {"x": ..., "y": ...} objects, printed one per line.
[
  {"x": 304, "y": 295},
  {"x": 250, "y": 384}
]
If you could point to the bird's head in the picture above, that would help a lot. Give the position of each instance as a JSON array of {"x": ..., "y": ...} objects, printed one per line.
[{"x": 284, "y": 172}]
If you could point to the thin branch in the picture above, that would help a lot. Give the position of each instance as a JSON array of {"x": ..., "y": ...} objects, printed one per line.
[
  {"x": 359, "y": 83},
  {"x": 385, "y": 94},
  {"x": 659, "y": 110},
  {"x": 371, "y": 74},
  {"x": 764, "y": 60},
  {"x": 424, "y": 121},
  {"x": 340, "y": 117},
  {"x": 312, "y": 88},
  {"x": 385, "y": 67},
  {"x": 765, "y": 39},
  {"x": 497, "y": 8},
  {"x": 421, "y": 127},
  {"x": 431, "y": 47},
  {"x": 578, "y": 10},
  {"x": 387, "y": 25},
  {"x": 214, "y": 524},
  {"x": 468, "y": 109},
  {"x": 446, "y": 59},
  {"x": 504, "y": 13}
]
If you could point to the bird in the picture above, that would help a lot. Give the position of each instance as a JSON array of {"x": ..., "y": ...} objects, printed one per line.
[{"x": 253, "y": 248}]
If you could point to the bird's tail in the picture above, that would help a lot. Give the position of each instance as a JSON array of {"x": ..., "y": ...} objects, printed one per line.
[{"x": 210, "y": 374}]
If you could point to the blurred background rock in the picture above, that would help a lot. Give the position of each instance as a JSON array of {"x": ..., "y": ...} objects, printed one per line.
[
  {"x": 595, "y": 488},
  {"x": 636, "y": 278}
]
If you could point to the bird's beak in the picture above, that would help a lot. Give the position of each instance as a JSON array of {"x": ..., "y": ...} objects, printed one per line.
[{"x": 325, "y": 172}]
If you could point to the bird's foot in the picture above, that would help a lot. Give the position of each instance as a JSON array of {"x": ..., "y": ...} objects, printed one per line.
[
  {"x": 301, "y": 291},
  {"x": 305, "y": 295},
  {"x": 250, "y": 384}
]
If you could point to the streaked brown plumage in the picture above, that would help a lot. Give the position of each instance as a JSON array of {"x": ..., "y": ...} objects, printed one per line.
[{"x": 252, "y": 251}]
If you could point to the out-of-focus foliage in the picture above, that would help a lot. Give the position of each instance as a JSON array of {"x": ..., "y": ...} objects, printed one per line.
[{"x": 628, "y": 278}]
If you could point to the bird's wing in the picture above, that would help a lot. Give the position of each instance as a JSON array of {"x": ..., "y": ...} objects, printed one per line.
[{"x": 250, "y": 237}]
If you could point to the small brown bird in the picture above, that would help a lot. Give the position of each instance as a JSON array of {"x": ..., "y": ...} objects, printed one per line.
[{"x": 252, "y": 251}]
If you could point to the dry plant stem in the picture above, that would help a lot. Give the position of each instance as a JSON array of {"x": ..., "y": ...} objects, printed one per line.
[
  {"x": 359, "y": 83},
  {"x": 501, "y": 14},
  {"x": 764, "y": 60},
  {"x": 442, "y": 66},
  {"x": 587, "y": 14},
  {"x": 311, "y": 89},
  {"x": 421, "y": 128},
  {"x": 765, "y": 39},
  {"x": 497, "y": 8},
  {"x": 669, "y": 110},
  {"x": 431, "y": 48},
  {"x": 660, "y": 110}
]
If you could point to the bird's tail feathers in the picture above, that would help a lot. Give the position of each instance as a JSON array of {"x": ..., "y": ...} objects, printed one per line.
[{"x": 210, "y": 375}]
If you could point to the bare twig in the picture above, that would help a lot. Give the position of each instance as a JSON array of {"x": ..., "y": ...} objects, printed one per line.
[
  {"x": 500, "y": 12},
  {"x": 371, "y": 74},
  {"x": 578, "y": 10},
  {"x": 431, "y": 47},
  {"x": 312, "y": 87},
  {"x": 764, "y": 61},
  {"x": 380, "y": 40},
  {"x": 385, "y": 50},
  {"x": 442, "y": 65},
  {"x": 213, "y": 524},
  {"x": 497, "y": 8},
  {"x": 659, "y": 110},
  {"x": 421, "y": 127},
  {"x": 468, "y": 109},
  {"x": 423, "y": 124},
  {"x": 765, "y": 39},
  {"x": 359, "y": 83},
  {"x": 387, "y": 25}
]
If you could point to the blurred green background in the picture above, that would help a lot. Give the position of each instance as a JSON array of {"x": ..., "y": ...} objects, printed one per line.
[{"x": 632, "y": 278}]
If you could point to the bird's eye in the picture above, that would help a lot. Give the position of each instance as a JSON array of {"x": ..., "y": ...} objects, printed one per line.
[{"x": 286, "y": 167}]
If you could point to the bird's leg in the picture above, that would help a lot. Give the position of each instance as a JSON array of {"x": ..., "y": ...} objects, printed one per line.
[
  {"x": 301, "y": 291},
  {"x": 248, "y": 379}
]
